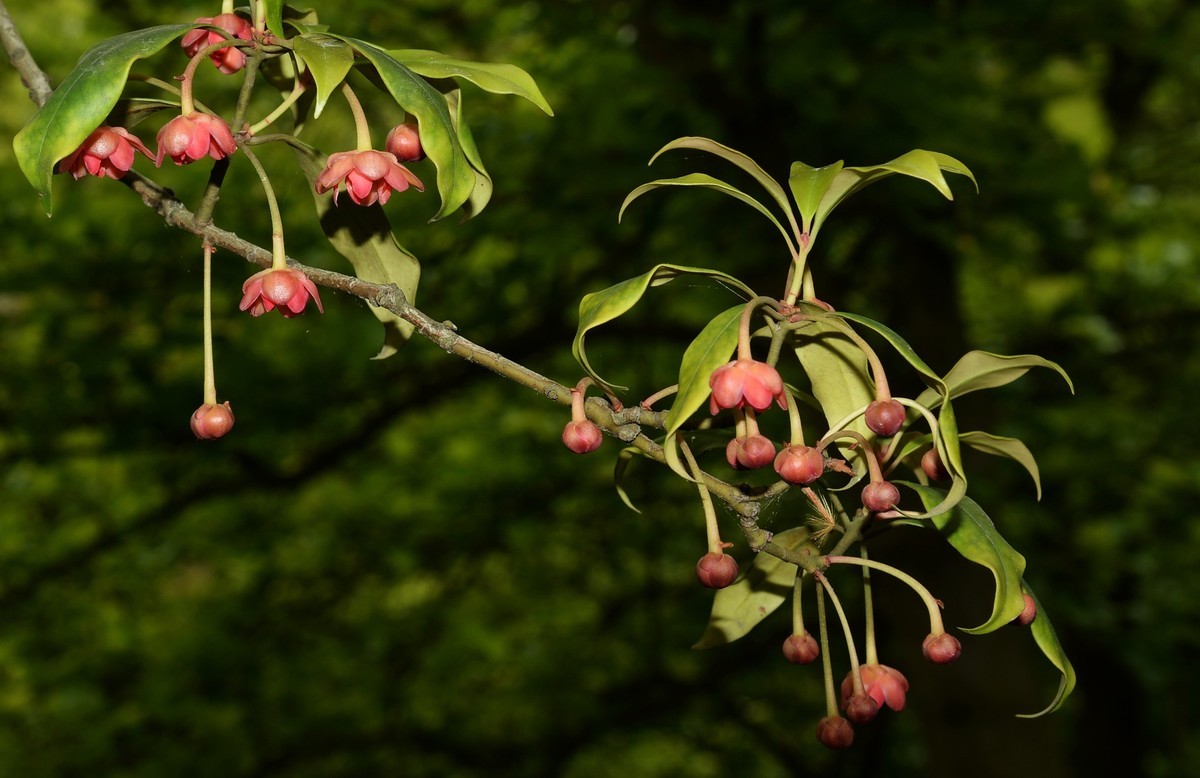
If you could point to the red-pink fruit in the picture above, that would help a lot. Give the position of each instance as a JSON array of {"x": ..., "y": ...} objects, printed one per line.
[
  {"x": 405, "y": 143},
  {"x": 749, "y": 452},
  {"x": 716, "y": 570},
  {"x": 800, "y": 464},
  {"x": 885, "y": 417},
  {"x": 942, "y": 649},
  {"x": 745, "y": 382},
  {"x": 880, "y": 496},
  {"x": 886, "y": 685},
  {"x": 582, "y": 436},
  {"x": 860, "y": 708},
  {"x": 835, "y": 732},
  {"x": 1030, "y": 613},
  {"x": 801, "y": 649},
  {"x": 931, "y": 463},
  {"x": 212, "y": 421}
]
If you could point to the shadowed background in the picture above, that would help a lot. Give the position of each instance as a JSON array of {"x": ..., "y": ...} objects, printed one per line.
[{"x": 394, "y": 568}]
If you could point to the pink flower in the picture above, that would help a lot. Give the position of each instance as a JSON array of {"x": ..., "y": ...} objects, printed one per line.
[
  {"x": 370, "y": 176},
  {"x": 108, "y": 151},
  {"x": 287, "y": 289},
  {"x": 745, "y": 382},
  {"x": 229, "y": 59},
  {"x": 884, "y": 684},
  {"x": 405, "y": 142},
  {"x": 186, "y": 139}
]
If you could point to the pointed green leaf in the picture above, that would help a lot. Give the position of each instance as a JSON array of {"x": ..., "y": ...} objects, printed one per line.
[
  {"x": 363, "y": 235},
  {"x": 481, "y": 194},
  {"x": 1047, "y": 640},
  {"x": 273, "y": 10},
  {"x": 971, "y": 532},
  {"x": 738, "y": 158},
  {"x": 809, "y": 185},
  {"x": 921, "y": 164},
  {"x": 706, "y": 182},
  {"x": 608, "y": 304},
  {"x": 711, "y": 349},
  {"x": 81, "y": 102},
  {"x": 328, "y": 59},
  {"x": 495, "y": 77},
  {"x": 1005, "y": 447},
  {"x": 132, "y": 111},
  {"x": 982, "y": 370},
  {"x": 739, "y": 608},
  {"x": 898, "y": 343},
  {"x": 439, "y": 137}
]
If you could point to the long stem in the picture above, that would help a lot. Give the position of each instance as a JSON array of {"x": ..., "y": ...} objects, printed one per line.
[
  {"x": 226, "y": 6},
  {"x": 797, "y": 427},
  {"x": 867, "y": 449},
  {"x": 278, "y": 255},
  {"x": 797, "y": 608},
  {"x": 361, "y": 128},
  {"x": 827, "y": 663},
  {"x": 210, "y": 375},
  {"x": 855, "y": 673},
  {"x": 297, "y": 90},
  {"x": 931, "y": 603},
  {"x": 715, "y": 545},
  {"x": 798, "y": 272},
  {"x": 869, "y": 607}
]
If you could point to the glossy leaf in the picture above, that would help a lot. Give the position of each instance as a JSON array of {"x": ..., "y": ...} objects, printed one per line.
[
  {"x": 439, "y": 137},
  {"x": 897, "y": 342},
  {"x": 809, "y": 185},
  {"x": 711, "y": 349},
  {"x": 971, "y": 532},
  {"x": 481, "y": 194},
  {"x": 924, "y": 165},
  {"x": 1005, "y": 447},
  {"x": 707, "y": 182},
  {"x": 81, "y": 102},
  {"x": 363, "y": 235},
  {"x": 608, "y": 304},
  {"x": 837, "y": 371},
  {"x": 495, "y": 77},
  {"x": 328, "y": 59},
  {"x": 736, "y": 157},
  {"x": 766, "y": 585},
  {"x": 273, "y": 10},
  {"x": 982, "y": 370},
  {"x": 1047, "y": 640}
]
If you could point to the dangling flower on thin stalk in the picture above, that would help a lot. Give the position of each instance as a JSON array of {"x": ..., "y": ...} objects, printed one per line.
[{"x": 108, "y": 151}]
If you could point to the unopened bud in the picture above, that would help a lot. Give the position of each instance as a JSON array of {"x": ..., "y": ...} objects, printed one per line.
[
  {"x": 942, "y": 649},
  {"x": 861, "y": 708},
  {"x": 885, "y": 417},
  {"x": 1030, "y": 613},
  {"x": 582, "y": 436},
  {"x": 716, "y": 570},
  {"x": 835, "y": 732},
  {"x": 212, "y": 421},
  {"x": 880, "y": 496},
  {"x": 801, "y": 649}
]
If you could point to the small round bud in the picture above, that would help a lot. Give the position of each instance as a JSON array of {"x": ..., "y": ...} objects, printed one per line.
[
  {"x": 801, "y": 649},
  {"x": 582, "y": 436},
  {"x": 800, "y": 464},
  {"x": 835, "y": 732},
  {"x": 885, "y": 417},
  {"x": 942, "y": 649},
  {"x": 405, "y": 143},
  {"x": 749, "y": 452},
  {"x": 931, "y": 463},
  {"x": 1030, "y": 613},
  {"x": 861, "y": 708},
  {"x": 880, "y": 496},
  {"x": 716, "y": 570},
  {"x": 212, "y": 421}
]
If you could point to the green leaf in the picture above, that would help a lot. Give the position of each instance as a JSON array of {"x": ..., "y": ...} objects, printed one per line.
[
  {"x": 971, "y": 532},
  {"x": 736, "y": 157},
  {"x": 837, "y": 370},
  {"x": 921, "y": 164},
  {"x": 363, "y": 235},
  {"x": 897, "y": 342},
  {"x": 1047, "y": 640},
  {"x": 328, "y": 59},
  {"x": 982, "y": 370},
  {"x": 81, "y": 102},
  {"x": 1005, "y": 447},
  {"x": 711, "y": 349},
  {"x": 132, "y": 111},
  {"x": 739, "y": 608},
  {"x": 808, "y": 185},
  {"x": 495, "y": 77},
  {"x": 274, "y": 13},
  {"x": 439, "y": 137},
  {"x": 608, "y": 304},
  {"x": 706, "y": 182},
  {"x": 481, "y": 194}
]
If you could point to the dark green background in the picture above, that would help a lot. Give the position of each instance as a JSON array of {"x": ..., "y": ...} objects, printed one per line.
[{"x": 394, "y": 568}]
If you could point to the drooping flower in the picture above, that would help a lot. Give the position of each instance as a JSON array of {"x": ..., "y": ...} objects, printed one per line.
[
  {"x": 886, "y": 685},
  {"x": 186, "y": 139},
  {"x": 405, "y": 143},
  {"x": 229, "y": 59},
  {"x": 212, "y": 421},
  {"x": 286, "y": 289},
  {"x": 108, "y": 151},
  {"x": 370, "y": 176},
  {"x": 745, "y": 382}
]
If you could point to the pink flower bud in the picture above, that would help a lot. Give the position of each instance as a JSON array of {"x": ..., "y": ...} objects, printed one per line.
[
  {"x": 880, "y": 496},
  {"x": 745, "y": 382},
  {"x": 108, "y": 151},
  {"x": 835, "y": 732},
  {"x": 404, "y": 142},
  {"x": 800, "y": 464},
  {"x": 287, "y": 289},
  {"x": 369, "y": 176},
  {"x": 931, "y": 463},
  {"x": 582, "y": 437},
  {"x": 885, "y": 417},
  {"x": 749, "y": 452},
  {"x": 941, "y": 649},
  {"x": 716, "y": 570},
  {"x": 212, "y": 421},
  {"x": 1030, "y": 613},
  {"x": 860, "y": 708},
  {"x": 801, "y": 649}
]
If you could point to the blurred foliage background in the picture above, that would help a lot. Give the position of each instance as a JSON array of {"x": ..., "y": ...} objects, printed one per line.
[{"x": 394, "y": 568}]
